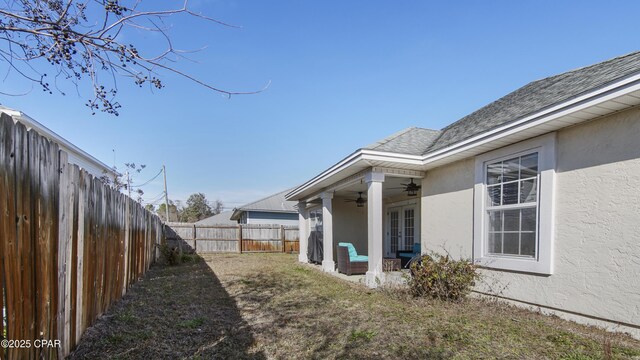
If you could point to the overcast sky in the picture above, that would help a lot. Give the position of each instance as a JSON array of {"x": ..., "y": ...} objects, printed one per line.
[{"x": 343, "y": 74}]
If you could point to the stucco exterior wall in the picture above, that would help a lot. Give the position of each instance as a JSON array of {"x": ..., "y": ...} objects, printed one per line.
[
  {"x": 447, "y": 209},
  {"x": 597, "y": 224},
  {"x": 349, "y": 225}
]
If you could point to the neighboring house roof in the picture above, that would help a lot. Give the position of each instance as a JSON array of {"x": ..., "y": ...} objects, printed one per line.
[
  {"x": 224, "y": 218},
  {"x": 72, "y": 150},
  {"x": 273, "y": 203},
  {"x": 413, "y": 141},
  {"x": 538, "y": 95}
]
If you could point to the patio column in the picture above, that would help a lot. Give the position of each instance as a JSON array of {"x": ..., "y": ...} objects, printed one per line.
[
  {"x": 303, "y": 236},
  {"x": 374, "y": 182},
  {"x": 328, "y": 264}
]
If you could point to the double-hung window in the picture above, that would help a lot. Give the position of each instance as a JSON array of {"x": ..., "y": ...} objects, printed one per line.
[{"x": 513, "y": 207}]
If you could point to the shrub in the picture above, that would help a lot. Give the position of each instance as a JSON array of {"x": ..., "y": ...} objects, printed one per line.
[
  {"x": 170, "y": 255},
  {"x": 190, "y": 258},
  {"x": 441, "y": 277}
]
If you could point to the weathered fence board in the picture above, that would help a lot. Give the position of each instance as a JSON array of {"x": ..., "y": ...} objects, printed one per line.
[
  {"x": 7, "y": 217},
  {"x": 24, "y": 272},
  {"x": 233, "y": 238},
  {"x": 70, "y": 245}
]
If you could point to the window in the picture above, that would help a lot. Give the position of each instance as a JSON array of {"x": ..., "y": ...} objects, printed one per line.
[
  {"x": 512, "y": 201},
  {"x": 513, "y": 207}
]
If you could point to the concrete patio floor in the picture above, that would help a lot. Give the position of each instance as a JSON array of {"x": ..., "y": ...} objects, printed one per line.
[{"x": 391, "y": 279}]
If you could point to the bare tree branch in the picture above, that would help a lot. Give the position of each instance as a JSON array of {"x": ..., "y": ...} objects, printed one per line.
[{"x": 82, "y": 39}]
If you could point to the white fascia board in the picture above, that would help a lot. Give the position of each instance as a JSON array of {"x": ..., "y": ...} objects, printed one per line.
[
  {"x": 585, "y": 101},
  {"x": 344, "y": 163},
  {"x": 357, "y": 156},
  {"x": 236, "y": 214},
  {"x": 373, "y": 155}
]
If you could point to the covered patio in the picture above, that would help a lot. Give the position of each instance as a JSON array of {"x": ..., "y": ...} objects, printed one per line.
[{"x": 374, "y": 210}]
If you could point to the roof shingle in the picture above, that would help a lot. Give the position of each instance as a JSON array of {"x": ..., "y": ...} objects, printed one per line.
[
  {"x": 275, "y": 202},
  {"x": 537, "y": 96},
  {"x": 224, "y": 218},
  {"x": 412, "y": 141}
]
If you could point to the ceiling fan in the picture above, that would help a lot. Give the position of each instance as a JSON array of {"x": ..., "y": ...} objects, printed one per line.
[
  {"x": 360, "y": 201},
  {"x": 411, "y": 188}
]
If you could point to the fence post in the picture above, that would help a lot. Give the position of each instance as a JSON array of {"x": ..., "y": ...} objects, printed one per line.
[
  {"x": 240, "y": 238},
  {"x": 282, "y": 237},
  {"x": 195, "y": 241}
]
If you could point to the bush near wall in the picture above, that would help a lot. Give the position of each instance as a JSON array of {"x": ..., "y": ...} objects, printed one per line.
[{"x": 441, "y": 277}]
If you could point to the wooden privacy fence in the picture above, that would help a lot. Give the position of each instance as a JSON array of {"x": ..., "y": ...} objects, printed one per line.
[
  {"x": 70, "y": 245},
  {"x": 234, "y": 238}
]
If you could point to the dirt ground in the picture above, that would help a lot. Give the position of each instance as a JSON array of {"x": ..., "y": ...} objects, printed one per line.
[{"x": 267, "y": 306}]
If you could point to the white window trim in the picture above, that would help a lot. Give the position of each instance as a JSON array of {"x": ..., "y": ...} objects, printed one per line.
[{"x": 543, "y": 263}]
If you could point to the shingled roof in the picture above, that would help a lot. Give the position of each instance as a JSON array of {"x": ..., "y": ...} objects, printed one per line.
[
  {"x": 537, "y": 96},
  {"x": 224, "y": 218},
  {"x": 273, "y": 203},
  {"x": 527, "y": 100},
  {"x": 413, "y": 141}
]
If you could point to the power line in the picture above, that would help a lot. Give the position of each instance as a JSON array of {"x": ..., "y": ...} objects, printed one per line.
[
  {"x": 155, "y": 202},
  {"x": 153, "y": 178},
  {"x": 154, "y": 198}
]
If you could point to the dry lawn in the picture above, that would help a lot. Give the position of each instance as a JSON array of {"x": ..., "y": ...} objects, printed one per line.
[{"x": 268, "y": 306}]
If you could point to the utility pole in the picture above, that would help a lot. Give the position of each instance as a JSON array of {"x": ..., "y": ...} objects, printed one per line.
[
  {"x": 129, "y": 184},
  {"x": 166, "y": 195}
]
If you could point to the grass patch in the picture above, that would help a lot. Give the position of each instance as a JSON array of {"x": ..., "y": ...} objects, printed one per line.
[
  {"x": 115, "y": 339},
  {"x": 191, "y": 324},
  {"x": 366, "y": 335},
  {"x": 126, "y": 316},
  {"x": 302, "y": 269},
  {"x": 268, "y": 306}
]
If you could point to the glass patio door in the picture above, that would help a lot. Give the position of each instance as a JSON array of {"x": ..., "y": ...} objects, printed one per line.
[
  {"x": 409, "y": 228},
  {"x": 394, "y": 232},
  {"x": 401, "y": 229}
]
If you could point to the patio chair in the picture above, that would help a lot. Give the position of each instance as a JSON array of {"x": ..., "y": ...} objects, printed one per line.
[
  {"x": 406, "y": 255},
  {"x": 349, "y": 262}
]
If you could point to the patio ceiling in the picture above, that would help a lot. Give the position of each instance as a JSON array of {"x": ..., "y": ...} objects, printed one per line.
[{"x": 392, "y": 186}]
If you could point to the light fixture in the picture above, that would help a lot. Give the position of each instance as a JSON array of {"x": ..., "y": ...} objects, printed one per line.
[
  {"x": 412, "y": 188},
  {"x": 360, "y": 201}
]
